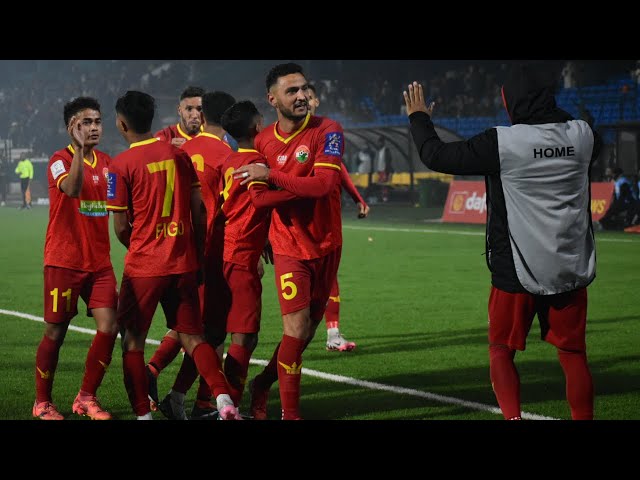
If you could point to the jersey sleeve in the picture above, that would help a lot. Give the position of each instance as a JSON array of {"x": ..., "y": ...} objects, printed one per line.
[
  {"x": 330, "y": 146},
  {"x": 117, "y": 191},
  {"x": 348, "y": 185},
  {"x": 58, "y": 170}
]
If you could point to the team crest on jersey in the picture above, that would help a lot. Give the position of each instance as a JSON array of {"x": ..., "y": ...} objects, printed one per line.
[
  {"x": 302, "y": 154},
  {"x": 105, "y": 172},
  {"x": 333, "y": 144},
  {"x": 282, "y": 159}
]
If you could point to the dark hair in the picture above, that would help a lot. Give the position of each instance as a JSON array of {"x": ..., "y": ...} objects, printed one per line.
[
  {"x": 282, "y": 70},
  {"x": 617, "y": 171},
  {"x": 138, "y": 109},
  {"x": 240, "y": 120},
  {"x": 214, "y": 104},
  {"x": 77, "y": 105},
  {"x": 191, "y": 92},
  {"x": 312, "y": 87}
]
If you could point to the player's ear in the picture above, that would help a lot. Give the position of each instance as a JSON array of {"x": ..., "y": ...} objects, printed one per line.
[
  {"x": 259, "y": 125},
  {"x": 271, "y": 99}
]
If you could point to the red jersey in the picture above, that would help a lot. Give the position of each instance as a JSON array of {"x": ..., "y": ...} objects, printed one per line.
[
  {"x": 306, "y": 228},
  {"x": 246, "y": 227},
  {"x": 172, "y": 131},
  {"x": 208, "y": 152},
  {"x": 153, "y": 182},
  {"x": 78, "y": 230}
]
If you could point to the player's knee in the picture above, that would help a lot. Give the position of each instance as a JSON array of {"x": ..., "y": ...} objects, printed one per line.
[{"x": 247, "y": 340}]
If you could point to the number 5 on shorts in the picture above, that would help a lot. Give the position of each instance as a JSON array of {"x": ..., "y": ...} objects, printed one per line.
[{"x": 284, "y": 284}]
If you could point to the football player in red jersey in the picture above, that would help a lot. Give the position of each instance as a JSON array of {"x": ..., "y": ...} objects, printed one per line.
[
  {"x": 304, "y": 155},
  {"x": 156, "y": 185},
  {"x": 208, "y": 151},
  {"x": 190, "y": 121},
  {"x": 335, "y": 341},
  {"x": 76, "y": 260},
  {"x": 246, "y": 210}
]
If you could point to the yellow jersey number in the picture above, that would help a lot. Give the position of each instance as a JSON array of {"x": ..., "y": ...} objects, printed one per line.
[
  {"x": 66, "y": 294},
  {"x": 285, "y": 284},
  {"x": 170, "y": 167}
]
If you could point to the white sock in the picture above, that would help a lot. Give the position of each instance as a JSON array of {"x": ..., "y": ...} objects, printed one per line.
[
  {"x": 331, "y": 332},
  {"x": 146, "y": 416},
  {"x": 223, "y": 400}
]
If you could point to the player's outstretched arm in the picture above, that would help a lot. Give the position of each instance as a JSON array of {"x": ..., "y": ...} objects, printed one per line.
[
  {"x": 262, "y": 197},
  {"x": 347, "y": 184}
]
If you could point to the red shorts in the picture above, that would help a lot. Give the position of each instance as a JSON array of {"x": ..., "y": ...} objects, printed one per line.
[
  {"x": 246, "y": 304},
  {"x": 63, "y": 286},
  {"x": 215, "y": 298},
  {"x": 178, "y": 295},
  {"x": 305, "y": 283},
  {"x": 562, "y": 317}
]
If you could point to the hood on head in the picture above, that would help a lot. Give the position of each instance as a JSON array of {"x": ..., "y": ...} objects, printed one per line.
[{"x": 528, "y": 96}]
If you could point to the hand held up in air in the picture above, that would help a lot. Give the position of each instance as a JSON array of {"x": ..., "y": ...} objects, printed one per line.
[
  {"x": 75, "y": 131},
  {"x": 414, "y": 100}
]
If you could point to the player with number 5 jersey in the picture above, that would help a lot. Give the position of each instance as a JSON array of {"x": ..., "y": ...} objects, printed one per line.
[{"x": 304, "y": 154}]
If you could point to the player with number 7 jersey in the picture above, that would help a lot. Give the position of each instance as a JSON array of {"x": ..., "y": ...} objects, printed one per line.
[{"x": 154, "y": 193}]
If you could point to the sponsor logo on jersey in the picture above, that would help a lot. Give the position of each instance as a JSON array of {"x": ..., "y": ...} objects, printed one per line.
[
  {"x": 282, "y": 159},
  {"x": 333, "y": 144},
  {"x": 93, "y": 208},
  {"x": 302, "y": 153},
  {"x": 105, "y": 172},
  {"x": 111, "y": 186}
]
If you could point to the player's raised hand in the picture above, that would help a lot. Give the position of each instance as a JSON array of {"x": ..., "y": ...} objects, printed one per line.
[
  {"x": 414, "y": 100},
  {"x": 254, "y": 172},
  {"x": 363, "y": 210},
  {"x": 75, "y": 132}
]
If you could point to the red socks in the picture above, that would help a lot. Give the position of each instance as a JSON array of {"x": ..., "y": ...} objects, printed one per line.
[
  {"x": 332, "y": 313},
  {"x": 165, "y": 354},
  {"x": 208, "y": 365},
  {"x": 236, "y": 366},
  {"x": 136, "y": 382},
  {"x": 46, "y": 363},
  {"x": 505, "y": 380},
  {"x": 289, "y": 373},
  {"x": 579, "y": 384},
  {"x": 98, "y": 359}
]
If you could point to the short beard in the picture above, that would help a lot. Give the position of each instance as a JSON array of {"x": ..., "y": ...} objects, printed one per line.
[{"x": 289, "y": 115}]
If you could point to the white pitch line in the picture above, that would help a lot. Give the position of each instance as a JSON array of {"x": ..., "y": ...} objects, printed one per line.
[
  {"x": 335, "y": 378},
  {"x": 457, "y": 232}
]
